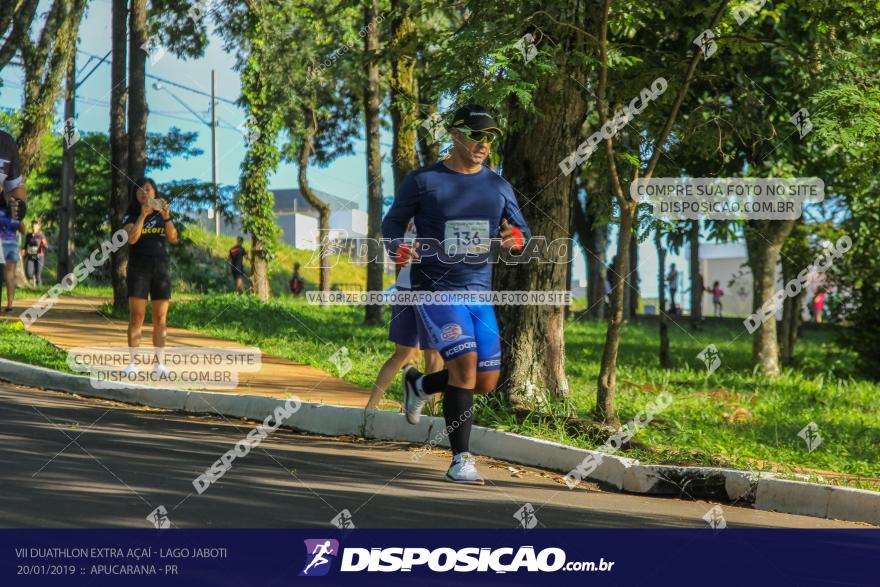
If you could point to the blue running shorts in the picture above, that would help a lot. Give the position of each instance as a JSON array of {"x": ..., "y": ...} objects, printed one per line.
[{"x": 466, "y": 328}]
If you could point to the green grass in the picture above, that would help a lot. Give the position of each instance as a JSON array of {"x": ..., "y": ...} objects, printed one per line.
[
  {"x": 696, "y": 429},
  {"x": 214, "y": 250},
  {"x": 17, "y": 344}
]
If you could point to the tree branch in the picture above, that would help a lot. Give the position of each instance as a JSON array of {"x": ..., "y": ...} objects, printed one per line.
[
  {"x": 600, "y": 101},
  {"x": 679, "y": 99}
]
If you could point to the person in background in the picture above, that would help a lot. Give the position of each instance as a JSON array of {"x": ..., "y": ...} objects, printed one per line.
[
  {"x": 672, "y": 280},
  {"x": 405, "y": 332},
  {"x": 13, "y": 207},
  {"x": 296, "y": 283},
  {"x": 34, "y": 252},
  {"x": 10, "y": 226},
  {"x": 236, "y": 264},
  {"x": 818, "y": 305},
  {"x": 717, "y": 294}
]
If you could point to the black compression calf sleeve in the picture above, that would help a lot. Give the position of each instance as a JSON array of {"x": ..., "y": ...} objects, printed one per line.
[
  {"x": 435, "y": 382},
  {"x": 458, "y": 404}
]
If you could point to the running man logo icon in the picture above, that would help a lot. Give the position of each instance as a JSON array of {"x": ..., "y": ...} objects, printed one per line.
[
  {"x": 526, "y": 46},
  {"x": 715, "y": 518},
  {"x": 249, "y": 129},
  {"x": 801, "y": 121},
  {"x": 526, "y": 516},
  {"x": 705, "y": 41},
  {"x": 159, "y": 518},
  {"x": 154, "y": 49},
  {"x": 318, "y": 551},
  {"x": 341, "y": 361},
  {"x": 711, "y": 357},
  {"x": 343, "y": 520},
  {"x": 69, "y": 132},
  {"x": 810, "y": 434},
  {"x": 435, "y": 128}
]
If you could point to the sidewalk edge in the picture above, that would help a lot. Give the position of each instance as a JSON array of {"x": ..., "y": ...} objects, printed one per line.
[{"x": 764, "y": 491}]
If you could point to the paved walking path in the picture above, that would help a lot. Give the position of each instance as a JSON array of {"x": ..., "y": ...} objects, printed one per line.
[{"x": 74, "y": 321}]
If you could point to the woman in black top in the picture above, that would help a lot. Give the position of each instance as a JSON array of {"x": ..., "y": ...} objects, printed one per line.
[{"x": 149, "y": 225}]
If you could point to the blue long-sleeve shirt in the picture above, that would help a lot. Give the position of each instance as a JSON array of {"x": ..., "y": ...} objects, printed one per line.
[{"x": 456, "y": 217}]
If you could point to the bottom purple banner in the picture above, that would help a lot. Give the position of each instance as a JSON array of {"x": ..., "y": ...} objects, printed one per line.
[{"x": 438, "y": 557}]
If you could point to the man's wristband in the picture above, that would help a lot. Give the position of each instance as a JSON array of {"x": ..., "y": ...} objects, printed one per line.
[{"x": 167, "y": 220}]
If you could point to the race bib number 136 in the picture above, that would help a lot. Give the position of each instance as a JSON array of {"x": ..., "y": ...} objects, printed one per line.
[{"x": 466, "y": 237}]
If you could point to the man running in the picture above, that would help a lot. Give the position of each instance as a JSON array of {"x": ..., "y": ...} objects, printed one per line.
[{"x": 459, "y": 207}]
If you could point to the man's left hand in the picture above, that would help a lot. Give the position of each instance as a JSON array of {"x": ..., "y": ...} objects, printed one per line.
[{"x": 511, "y": 236}]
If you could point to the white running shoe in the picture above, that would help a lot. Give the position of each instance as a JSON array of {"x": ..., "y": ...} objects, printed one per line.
[
  {"x": 464, "y": 470},
  {"x": 160, "y": 372},
  {"x": 130, "y": 370},
  {"x": 413, "y": 401}
]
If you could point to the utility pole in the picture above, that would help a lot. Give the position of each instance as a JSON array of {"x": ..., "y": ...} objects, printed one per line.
[
  {"x": 66, "y": 247},
  {"x": 65, "y": 228},
  {"x": 214, "y": 157}
]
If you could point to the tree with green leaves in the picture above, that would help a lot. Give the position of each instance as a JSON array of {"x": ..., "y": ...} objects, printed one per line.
[
  {"x": 45, "y": 63},
  {"x": 660, "y": 127},
  {"x": 527, "y": 67},
  {"x": 265, "y": 119},
  {"x": 120, "y": 186},
  {"x": 321, "y": 120},
  {"x": 372, "y": 98}
]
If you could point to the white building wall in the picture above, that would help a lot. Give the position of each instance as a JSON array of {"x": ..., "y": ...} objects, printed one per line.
[{"x": 350, "y": 223}]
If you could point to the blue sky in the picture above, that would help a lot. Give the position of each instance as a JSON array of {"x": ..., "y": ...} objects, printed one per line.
[{"x": 345, "y": 177}]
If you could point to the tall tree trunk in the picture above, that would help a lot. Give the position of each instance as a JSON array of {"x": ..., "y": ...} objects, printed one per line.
[
  {"x": 597, "y": 268},
  {"x": 255, "y": 200},
  {"x": 697, "y": 285},
  {"x": 569, "y": 265},
  {"x": 314, "y": 201},
  {"x": 137, "y": 90},
  {"x": 375, "y": 265},
  {"x": 764, "y": 240},
  {"x": 634, "y": 286},
  {"x": 404, "y": 92},
  {"x": 533, "y": 343},
  {"x": 594, "y": 241},
  {"x": 597, "y": 271},
  {"x": 119, "y": 147},
  {"x": 607, "y": 387},
  {"x": 661, "y": 279},
  {"x": 607, "y": 381},
  {"x": 65, "y": 246},
  {"x": 14, "y": 24},
  {"x": 791, "y": 315},
  {"x": 45, "y": 64}
]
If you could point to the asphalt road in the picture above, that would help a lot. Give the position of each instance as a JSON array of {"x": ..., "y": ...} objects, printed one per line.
[{"x": 69, "y": 461}]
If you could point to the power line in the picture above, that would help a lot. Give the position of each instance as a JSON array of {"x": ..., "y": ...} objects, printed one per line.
[{"x": 175, "y": 84}]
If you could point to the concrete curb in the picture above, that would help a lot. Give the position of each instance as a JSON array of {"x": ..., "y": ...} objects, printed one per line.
[{"x": 765, "y": 491}]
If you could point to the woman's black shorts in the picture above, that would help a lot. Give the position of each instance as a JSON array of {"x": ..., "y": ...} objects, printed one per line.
[{"x": 151, "y": 276}]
